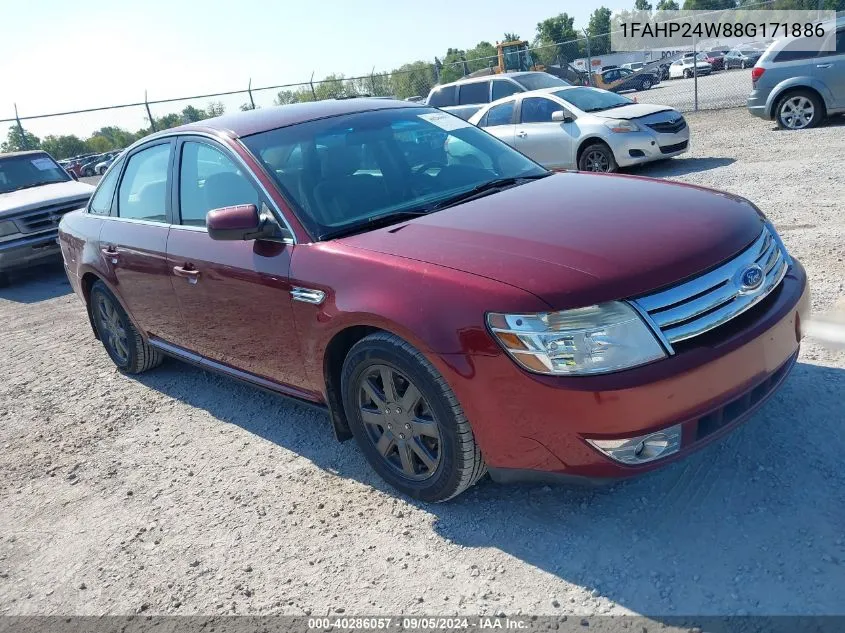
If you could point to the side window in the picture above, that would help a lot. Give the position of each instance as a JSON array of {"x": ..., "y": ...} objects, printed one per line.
[
  {"x": 500, "y": 114},
  {"x": 143, "y": 190},
  {"x": 796, "y": 49},
  {"x": 208, "y": 179},
  {"x": 472, "y": 93},
  {"x": 538, "y": 110},
  {"x": 840, "y": 45},
  {"x": 503, "y": 88},
  {"x": 446, "y": 96},
  {"x": 101, "y": 201}
]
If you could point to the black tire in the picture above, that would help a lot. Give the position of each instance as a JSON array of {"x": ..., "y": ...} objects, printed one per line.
[
  {"x": 459, "y": 463},
  {"x": 799, "y": 96},
  {"x": 590, "y": 156},
  {"x": 742, "y": 64},
  {"x": 687, "y": 74},
  {"x": 645, "y": 84},
  {"x": 132, "y": 354},
  {"x": 87, "y": 172}
]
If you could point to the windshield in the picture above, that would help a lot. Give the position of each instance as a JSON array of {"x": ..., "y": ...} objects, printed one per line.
[
  {"x": 592, "y": 99},
  {"x": 537, "y": 81},
  {"x": 343, "y": 173},
  {"x": 29, "y": 170},
  {"x": 517, "y": 57}
]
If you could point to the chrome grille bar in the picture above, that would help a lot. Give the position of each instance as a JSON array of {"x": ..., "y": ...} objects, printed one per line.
[{"x": 714, "y": 298}]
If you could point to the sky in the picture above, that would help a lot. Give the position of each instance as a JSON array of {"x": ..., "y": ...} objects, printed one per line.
[{"x": 57, "y": 55}]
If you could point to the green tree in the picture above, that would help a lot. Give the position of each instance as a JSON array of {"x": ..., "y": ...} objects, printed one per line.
[
  {"x": 483, "y": 55},
  {"x": 98, "y": 144},
  {"x": 556, "y": 39},
  {"x": 453, "y": 65},
  {"x": 668, "y": 5},
  {"x": 18, "y": 140},
  {"x": 118, "y": 137},
  {"x": 642, "y": 5},
  {"x": 330, "y": 87},
  {"x": 709, "y": 5},
  {"x": 246, "y": 107},
  {"x": 214, "y": 108},
  {"x": 599, "y": 31},
  {"x": 412, "y": 80},
  {"x": 511, "y": 37},
  {"x": 63, "y": 146},
  {"x": 190, "y": 114}
]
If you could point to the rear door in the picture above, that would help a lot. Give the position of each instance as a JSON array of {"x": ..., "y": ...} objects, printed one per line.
[
  {"x": 548, "y": 142},
  {"x": 500, "y": 121},
  {"x": 235, "y": 297},
  {"x": 474, "y": 93},
  {"x": 133, "y": 240},
  {"x": 830, "y": 70}
]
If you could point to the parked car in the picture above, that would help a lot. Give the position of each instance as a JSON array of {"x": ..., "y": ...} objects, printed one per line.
[
  {"x": 580, "y": 128},
  {"x": 35, "y": 192},
  {"x": 454, "y": 320},
  {"x": 76, "y": 163},
  {"x": 89, "y": 166},
  {"x": 619, "y": 79},
  {"x": 742, "y": 58},
  {"x": 716, "y": 59},
  {"x": 463, "y": 98},
  {"x": 101, "y": 167},
  {"x": 799, "y": 87},
  {"x": 684, "y": 68},
  {"x": 635, "y": 66}
]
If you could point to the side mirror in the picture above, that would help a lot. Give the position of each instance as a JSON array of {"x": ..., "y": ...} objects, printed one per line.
[
  {"x": 244, "y": 222},
  {"x": 562, "y": 117}
]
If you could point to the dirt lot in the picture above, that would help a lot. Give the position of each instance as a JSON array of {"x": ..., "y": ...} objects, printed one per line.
[{"x": 184, "y": 492}]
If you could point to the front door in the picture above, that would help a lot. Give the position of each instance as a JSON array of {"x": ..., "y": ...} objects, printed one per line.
[
  {"x": 133, "y": 240},
  {"x": 499, "y": 121},
  {"x": 548, "y": 142},
  {"x": 830, "y": 70},
  {"x": 235, "y": 295}
]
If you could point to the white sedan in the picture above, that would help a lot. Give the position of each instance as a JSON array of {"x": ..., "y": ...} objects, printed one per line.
[
  {"x": 684, "y": 68},
  {"x": 580, "y": 127}
]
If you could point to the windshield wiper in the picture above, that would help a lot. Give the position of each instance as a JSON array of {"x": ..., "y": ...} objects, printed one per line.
[
  {"x": 484, "y": 189},
  {"x": 374, "y": 222}
]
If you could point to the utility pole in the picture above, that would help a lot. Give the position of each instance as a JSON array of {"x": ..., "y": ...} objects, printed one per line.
[
  {"x": 589, "y": 59},
  {"x": 24, "y": 142}
]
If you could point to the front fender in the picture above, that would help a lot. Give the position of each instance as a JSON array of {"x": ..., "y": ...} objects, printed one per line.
[{"x": 802, "y": 81}]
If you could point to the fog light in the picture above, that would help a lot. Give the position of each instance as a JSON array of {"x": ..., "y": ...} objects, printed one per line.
[{"x": 643, "y": 448}]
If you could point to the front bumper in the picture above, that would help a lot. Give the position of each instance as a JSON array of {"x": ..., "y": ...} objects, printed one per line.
[
  {"x": 525, "y": 422},
  {"x": 635, "y": 148},
  {"x": 28, "y": 251}
]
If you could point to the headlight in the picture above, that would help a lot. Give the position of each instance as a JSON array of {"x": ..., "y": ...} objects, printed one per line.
[
  {"x": 8, "y": 228},
  {"x": 622, "y": 126},
  {"x": 593, "y": 340}
]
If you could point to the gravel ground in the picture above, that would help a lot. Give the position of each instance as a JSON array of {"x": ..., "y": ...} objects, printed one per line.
[{"x": 184, "y": 492}]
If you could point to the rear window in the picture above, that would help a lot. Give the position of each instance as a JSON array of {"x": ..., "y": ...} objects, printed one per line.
[
  {"x": 473, "y": 93},
  {"x": 442, "y": 97},
  {"x": 503, "y": 88}
]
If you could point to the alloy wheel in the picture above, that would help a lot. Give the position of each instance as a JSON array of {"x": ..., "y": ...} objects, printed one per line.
[
  {"x": 597, "y": 160},
  {"x": 399, "y": 422},
  {"x": 797, "y": 112},
  {"x": 112, "y": 330}
]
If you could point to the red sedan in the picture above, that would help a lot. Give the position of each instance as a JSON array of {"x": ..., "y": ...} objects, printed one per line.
[{"x": 454, "y": 315}]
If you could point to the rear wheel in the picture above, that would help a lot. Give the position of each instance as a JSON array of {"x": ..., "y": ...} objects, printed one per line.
[
  {"x": 687, "y": 74},
  {"x": 407, "y": 421},
  {"x": 645, "y": 84},
  {"x": 799, "y": 110},
  {"x": 124, "y": 344},
  {"x": 597, "y": 157}
]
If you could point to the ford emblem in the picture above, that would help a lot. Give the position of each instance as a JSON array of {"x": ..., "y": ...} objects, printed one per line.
[{"x": 751, "y": 278}]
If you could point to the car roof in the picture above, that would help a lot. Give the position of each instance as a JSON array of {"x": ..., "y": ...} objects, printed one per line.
[
  {"x": 28, "y": 152},
  {"x": 238, "y": 124},
  {"x": 470, "y": 80}
]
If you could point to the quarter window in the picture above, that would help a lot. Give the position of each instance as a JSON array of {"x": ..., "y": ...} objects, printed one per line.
[
  {"x": 500, "y": 115},
  {"x": 503, "y": 88},
  {"x": 143, "y": 190},
  {"x": 538, "y": 110},
  {"x": 208, "y": 179},
  {"x": 473, "y": 93},
  {"x": 101, "y": 201}
]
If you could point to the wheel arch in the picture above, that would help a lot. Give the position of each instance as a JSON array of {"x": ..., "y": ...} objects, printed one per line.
[
  {"x": 792, "y": 84},
  {"x": 590, "y": 140},
  {"x": 86, "y": 282}
]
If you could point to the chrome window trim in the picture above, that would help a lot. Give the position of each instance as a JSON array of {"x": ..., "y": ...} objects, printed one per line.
[
  {"x": 133, "y": 220},
  {"x": 709, "y": 300}
]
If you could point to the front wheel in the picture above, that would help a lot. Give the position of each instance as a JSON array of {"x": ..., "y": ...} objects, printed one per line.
[
  {"x": 687, "y": 74},
  {"x": 407, "y": 421},
  {"x": 646, "y": 84},
  {"x": 124, "y": 344},
  {"x": 597, "y": 157},
  {"x": 87, "y": 173}
]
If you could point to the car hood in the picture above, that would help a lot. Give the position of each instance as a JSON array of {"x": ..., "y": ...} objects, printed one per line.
[
  {"x": 633, "y": 111},
  {"x": 574, "y": 239},
  {"x": 36, "y": 197}
]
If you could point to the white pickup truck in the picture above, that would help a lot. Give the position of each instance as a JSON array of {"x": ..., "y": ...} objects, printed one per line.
[{"x": 35, "y": 192}]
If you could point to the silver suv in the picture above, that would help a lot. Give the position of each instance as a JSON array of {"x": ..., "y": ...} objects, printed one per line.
[
  {"x": 35, "y": 192},
  {"x": 796, "y": 87}
]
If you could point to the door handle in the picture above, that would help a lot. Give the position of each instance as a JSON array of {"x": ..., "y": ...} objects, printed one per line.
[
  {"x": 823, "y": 65},
  {"x": 110, "y": 253},
  {"x": 522, "y": 134},
  {"x": 190, "y": 274}
]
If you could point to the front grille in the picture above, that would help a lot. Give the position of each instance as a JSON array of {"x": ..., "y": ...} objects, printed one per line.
[
  {"x": 738, "y": 407},
  {"x": 46, "y": 218},
  {"x": 669, "y": 127},
  {"x": 677, "y": 147},
  {"x": 714, "y": 298}
]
